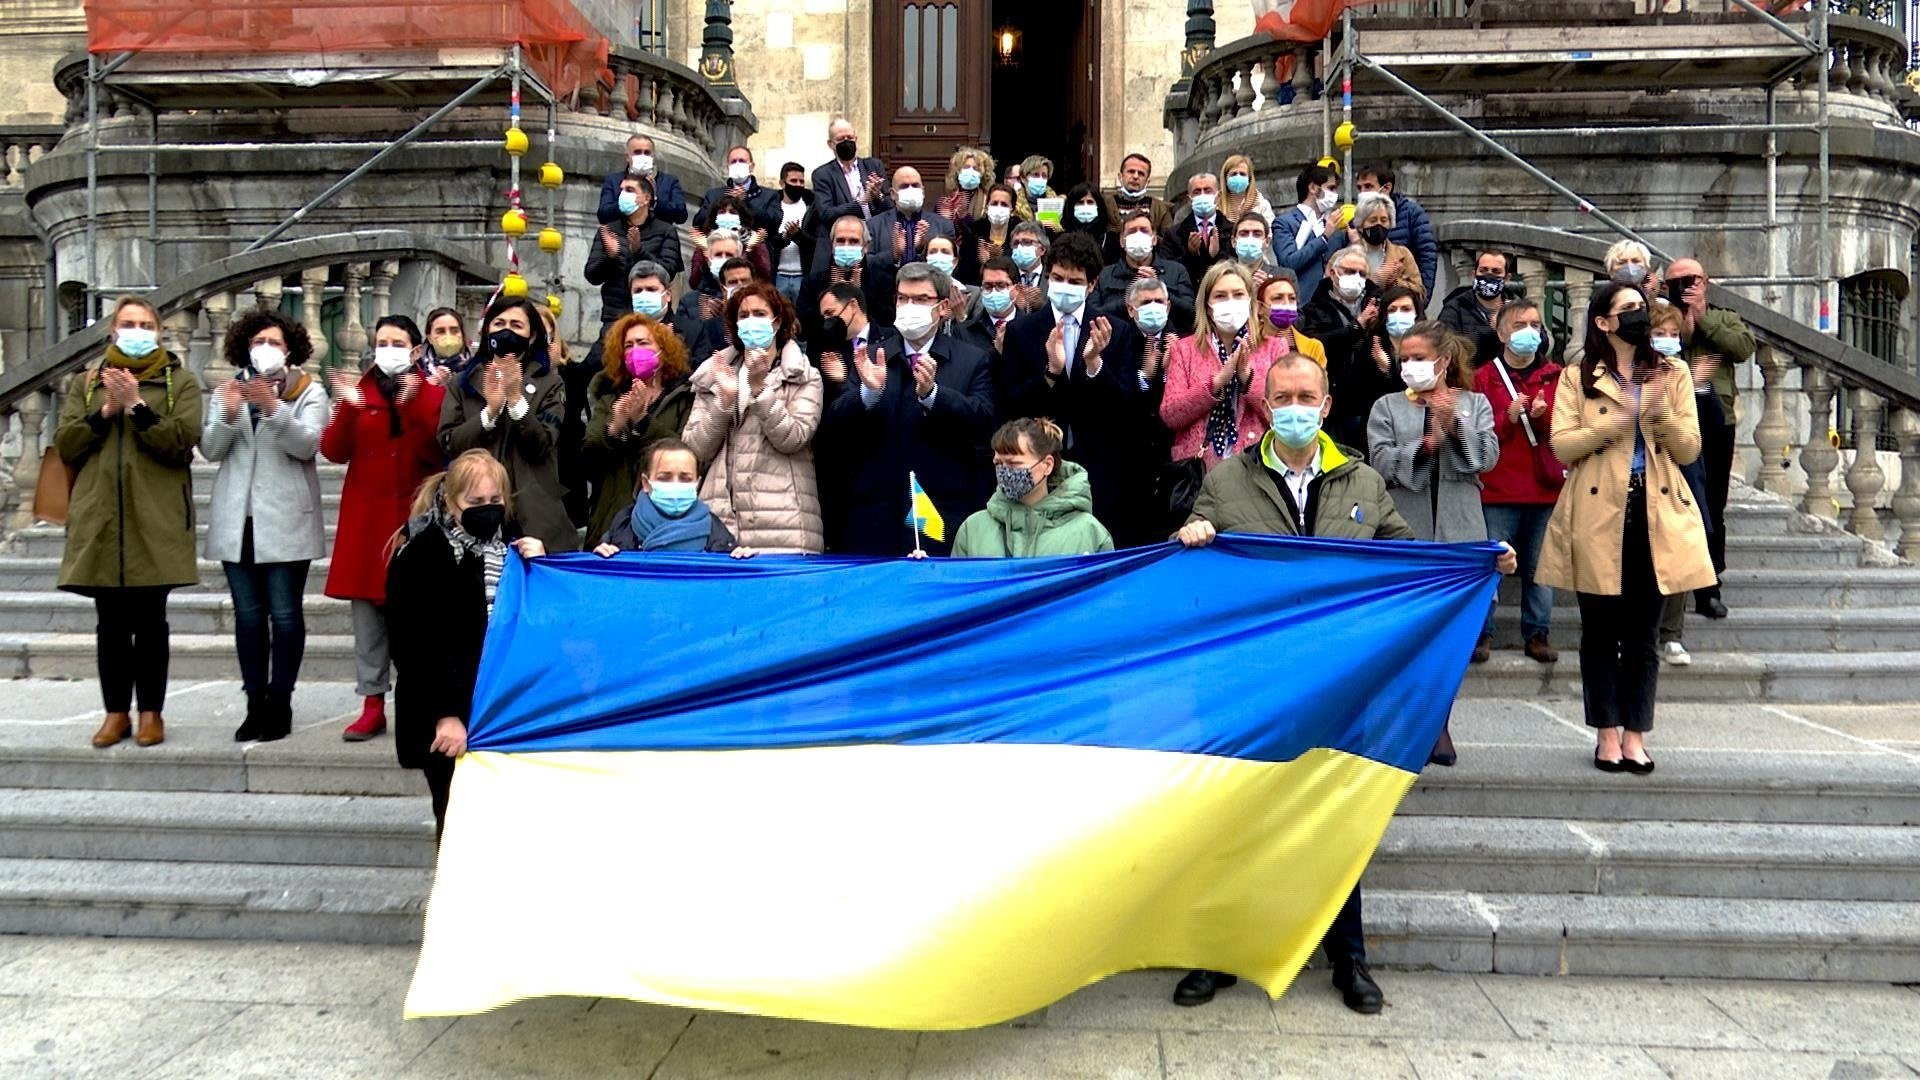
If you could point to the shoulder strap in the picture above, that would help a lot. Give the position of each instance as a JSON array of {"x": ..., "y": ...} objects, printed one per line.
[{"x": 1526, "y": 424}]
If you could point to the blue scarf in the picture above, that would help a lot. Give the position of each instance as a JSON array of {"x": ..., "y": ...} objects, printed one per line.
[{"x": 655, "y": 531}]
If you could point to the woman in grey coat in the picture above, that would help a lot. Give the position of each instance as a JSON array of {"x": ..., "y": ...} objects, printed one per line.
[
  {"x": 1432, "y": 443},
  {"x": 266, "y": 525}
]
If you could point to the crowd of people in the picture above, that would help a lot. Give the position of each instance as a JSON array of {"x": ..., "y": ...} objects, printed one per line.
[{"x": 1120, "y": 371}]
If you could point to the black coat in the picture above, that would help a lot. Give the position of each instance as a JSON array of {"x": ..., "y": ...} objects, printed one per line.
[
  {"x": 944, "y": 446},
  {"x": 832, "y": 200},
  {"x": 1109, "y": 296},
  {"x": 927, "y": 225},
  {"x": 1461, "y": 313},
  {"x": 763, "y": 204},
  {"x": 436, "y": 622},
  {"x": 974, "y": 241},
  {"x": 1198, "y": 265},
  {"x": 978, "y": 329},
  {"x": 1100, "y": 415},
  {"x": 806, "y": 237},
  {"x": 1357, "y": 381},
  {"x": 659, "y": 242},
  {"x": 876, "y": 285}
]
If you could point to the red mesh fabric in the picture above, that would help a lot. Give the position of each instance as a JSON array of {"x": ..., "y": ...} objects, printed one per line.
[{"x": 559, "y": 44}]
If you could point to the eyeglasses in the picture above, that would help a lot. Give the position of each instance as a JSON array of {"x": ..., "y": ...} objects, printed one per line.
[{"x": 917, "y": 301}]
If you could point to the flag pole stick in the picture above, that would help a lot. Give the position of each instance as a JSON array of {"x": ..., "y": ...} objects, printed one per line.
[{"x": 913, "y": 519}]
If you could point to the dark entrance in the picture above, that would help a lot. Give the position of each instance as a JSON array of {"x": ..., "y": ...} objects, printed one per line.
[{"x": 1044, "y": 102}]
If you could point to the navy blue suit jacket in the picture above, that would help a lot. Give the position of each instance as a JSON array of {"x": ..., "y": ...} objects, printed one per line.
[{"x": 669, "y": 202}]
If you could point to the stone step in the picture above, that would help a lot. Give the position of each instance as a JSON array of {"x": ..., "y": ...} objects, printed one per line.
[
  {"x": 188, "y": 613},
  {"x": 1690, "y": 785},
  {"x": 1854, "y": 587},
  {"x": 19, "y": 573},
  {"x": 202, "y": 826},
  {"x": 198, "y": 657},
  {"x": 1753, "y": 629},
  {"x": 1792, "y": 550},
  {"x": 1649, "y": 858},
  {"x": 1776, "y": 677},
  {"x": 50, "y": 541},
  {"x": 241, "y": 901},
  {"x": 1646, "y": 936}
]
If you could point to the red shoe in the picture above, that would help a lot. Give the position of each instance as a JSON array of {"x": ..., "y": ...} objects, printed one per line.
[{"x": 373, "y": 720}]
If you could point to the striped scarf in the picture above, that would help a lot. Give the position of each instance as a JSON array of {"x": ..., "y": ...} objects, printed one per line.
[{"x": 492, "y": 553}]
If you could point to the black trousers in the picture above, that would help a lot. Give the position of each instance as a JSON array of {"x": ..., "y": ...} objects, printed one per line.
[
  {"x": 1620, "y": 635},
  {"x": 439, "y": 773},
  {"x": 131, "y": 647},
  {"x": 1346, "y": 940},
  {"x": 1716, "y": 453}
]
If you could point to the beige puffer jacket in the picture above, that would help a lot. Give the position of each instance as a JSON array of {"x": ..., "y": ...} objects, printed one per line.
[{"x": 758, "y": 455}]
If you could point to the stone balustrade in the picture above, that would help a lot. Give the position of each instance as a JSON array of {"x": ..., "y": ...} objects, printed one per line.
[
  {"x": 650, "y": 89},
  {"x": 21, "y": 147}
]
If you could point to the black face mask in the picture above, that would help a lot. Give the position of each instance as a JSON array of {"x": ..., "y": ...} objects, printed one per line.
[
  {"x": 1677, "y": 290},
  {"x": 846, "y": 150},
  {"x": 507, "y": 343},
  {"x": 1374, "y": 234},
  {"x": 1636, "y": 328},
  {"x": 1488, "y": 286},
  {"x": 483, "y": 522},
  {"x": 795, "y": 191},
  {"x": 833, "y": 328}
]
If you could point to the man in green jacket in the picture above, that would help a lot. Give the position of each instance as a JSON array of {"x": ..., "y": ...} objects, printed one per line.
[{"x": 1298, "y": 482}]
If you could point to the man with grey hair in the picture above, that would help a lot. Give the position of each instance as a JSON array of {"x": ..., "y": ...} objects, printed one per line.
[
  {"x": 842, "y": 258},
  {"x": 704, "y": 295},
  {"x": 651, "y": 287},
  {"x": 1142, "y": 516},
  {"x": 1342, "y": 314},
  {"x": 1027, "y": 246},
  {"x": 920, "y": 402},
  {"x": 1204, "y": 236}
]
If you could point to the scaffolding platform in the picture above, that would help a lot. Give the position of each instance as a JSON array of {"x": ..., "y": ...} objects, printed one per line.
[
  {"x": 174, "y": 82},
  {"x": 1508, "y": 58}
]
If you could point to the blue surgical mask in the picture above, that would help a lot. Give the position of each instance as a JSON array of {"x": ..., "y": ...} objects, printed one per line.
[
  {"x": 650, "y": 302},
  {"x": 846, "y": 256},
  {"x": 629, "y": 202},
  {"x": 1025, "y": 255},
  {"x": 1525, "y": 341},
  {"x": 1152, "y": 317},
  {"x": 969, "y": 179},
  {"x": 1247, "y": 249},
  {"x": 996, "y": 301},
  {"x": 1399, "y": 322},
  {"x": 673, "y": 497},
  {"x": 1296, "y": 425},
  {"x": 1066, "y": 299},
  {"x": 729, "y": 222},
  {"x": 1203, "y": 205},
  {"x": 756, "y": 331},
  {"x": 941, "y": 261},
  {"x": 1667, "y": 346},
  {"x": 1236, "y": 184},
  {"x": 135, "y": 341},
  {"x": 1036, "y": 186},
  {"x": 1085, "y": 213}
]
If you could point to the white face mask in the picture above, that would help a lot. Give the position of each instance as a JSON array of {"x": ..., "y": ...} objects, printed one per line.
[
  {"x": 1229, "y": 315},
  {"x": 910, "y": 198},
  {"x": 1328, "y": 200},
  {"x": 1138, "y": 245},
  {"x": 999, "y": 215},
  {"x": 643, "y": 163},
  {"x": 267, "y": 359},
  {"x": 1419, "y": 374},
  {"x": 392, "y": 359},
  {"x": 914, "y": 321},
  {"x": 737, "y": 171},
  {"x": 1351, "y": 286}
]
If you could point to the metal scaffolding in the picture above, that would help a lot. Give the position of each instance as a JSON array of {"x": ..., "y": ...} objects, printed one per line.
[{"x": 1350, "y": 58}]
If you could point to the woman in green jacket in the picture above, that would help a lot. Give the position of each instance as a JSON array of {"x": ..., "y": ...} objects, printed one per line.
[
  {"x": 127, "y": 433},
  {"x": 1043, "y": 504},
  {"x": 640, "y": 396}
]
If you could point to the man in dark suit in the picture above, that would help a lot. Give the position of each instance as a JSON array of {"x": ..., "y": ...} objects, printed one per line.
[
  {"x": 1205, "y": 236},
  {"x": 849, "y": 184},
  {"x": 844, "y": 259},
  {"x": 986, "y": 329},
  {"x": 900, "y": 235},
  {"x": 651, "y": 287},
  {"x": 762, "y": 203},
  {"x": 919, "y": 402},
  {"x": 1143, "y": 260},
  {"x": 669, "y": 202},
  {"x": 1065, "y": 362}
]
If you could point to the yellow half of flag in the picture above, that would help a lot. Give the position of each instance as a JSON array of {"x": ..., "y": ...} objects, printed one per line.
[{"x": 922, "y": 514}]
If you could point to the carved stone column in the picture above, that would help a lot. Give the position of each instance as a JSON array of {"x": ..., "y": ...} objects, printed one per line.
[
  {"x": 1772, "y": 434},
  {"x": 353, "y": 334},
  {"x": 1865, "y": 479},
  {"x": 1817, "y": 456},
  {"x": 219, "y": 312},
  {"x": 1533, "y": 274},
  {"x": 1579, "y": 294},
  {"x": 1906, "y": 498},
  {"x": 313, "y": 290},
  {"x": 267, "y": 293},
  {"x": 382, "y": 281}
]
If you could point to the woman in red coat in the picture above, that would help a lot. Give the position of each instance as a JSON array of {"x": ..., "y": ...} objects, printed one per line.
[
  {"x": 1518, "y": 494},
  {"x": 384, "y": 430}
]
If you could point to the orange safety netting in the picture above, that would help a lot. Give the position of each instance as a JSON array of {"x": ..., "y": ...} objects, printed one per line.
[{"x": 559, "y": 44}]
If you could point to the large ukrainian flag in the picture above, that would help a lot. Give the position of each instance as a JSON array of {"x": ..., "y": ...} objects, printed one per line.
[{"x": 933, "y": 794}]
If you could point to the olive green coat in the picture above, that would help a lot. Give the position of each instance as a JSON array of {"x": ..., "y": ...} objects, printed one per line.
[
  {"x": 130, "y": 521},
  {"x": 614, "y": 462}
]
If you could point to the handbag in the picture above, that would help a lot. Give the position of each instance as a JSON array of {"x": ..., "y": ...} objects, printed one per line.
[
  {"x": 1547, "y": 469},
  {"x": 53, "y": 492},
  {"x": 1176, "y": 487}
]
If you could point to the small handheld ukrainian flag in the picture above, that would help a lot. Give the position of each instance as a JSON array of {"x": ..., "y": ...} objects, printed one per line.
[{"x": 922, "y": 517}]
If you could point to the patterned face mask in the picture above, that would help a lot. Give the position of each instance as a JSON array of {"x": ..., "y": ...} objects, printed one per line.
[{"x": 1015, "y": 481}]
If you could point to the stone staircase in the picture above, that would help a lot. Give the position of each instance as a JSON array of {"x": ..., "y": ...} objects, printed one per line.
[{"x": 1767, "y": 844}]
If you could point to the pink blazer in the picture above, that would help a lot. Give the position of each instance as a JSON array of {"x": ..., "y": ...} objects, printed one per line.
[{"x": 1191, "y": 365}]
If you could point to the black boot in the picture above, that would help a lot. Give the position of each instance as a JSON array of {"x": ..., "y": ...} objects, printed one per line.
[
  {"x": 250, "y": 728},
  {"x": 278, "y": 721},
  {"x": 1356, "y": 986},
  {"x": 1199, "y": 986}
]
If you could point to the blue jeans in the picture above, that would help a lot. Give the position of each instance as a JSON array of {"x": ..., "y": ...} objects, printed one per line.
[
  {"x": 1524, "y": 527},
  {"x": 269, "y": 625},
  {"x": 789, "y": 286}
]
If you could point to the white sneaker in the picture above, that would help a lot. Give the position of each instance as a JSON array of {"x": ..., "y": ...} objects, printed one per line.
[{"x": 1676, "y": 654}]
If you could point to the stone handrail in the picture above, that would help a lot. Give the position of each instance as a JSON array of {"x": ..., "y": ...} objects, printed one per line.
[
  {"x": 1879, "y": 396},
  {"x": 650, "y": 89},
  {"x": 22, "y": 145}
]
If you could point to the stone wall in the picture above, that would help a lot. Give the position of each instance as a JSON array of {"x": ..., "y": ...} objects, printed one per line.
[{"x": 34, "y": 34}]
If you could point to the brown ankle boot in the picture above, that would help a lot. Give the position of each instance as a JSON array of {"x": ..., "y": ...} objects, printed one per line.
[
  {"x": 112, "y": 730},
  {"x": 153, "y": 730}
]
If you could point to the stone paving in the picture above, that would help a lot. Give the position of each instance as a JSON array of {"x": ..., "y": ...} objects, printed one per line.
[{"x": 124, "y": 1008}]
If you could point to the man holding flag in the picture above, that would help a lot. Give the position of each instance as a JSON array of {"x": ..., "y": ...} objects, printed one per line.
[{"x": 914, "y": 423}]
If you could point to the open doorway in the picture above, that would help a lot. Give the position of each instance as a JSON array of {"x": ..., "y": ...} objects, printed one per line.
[{"x": 1044, "y": 100}]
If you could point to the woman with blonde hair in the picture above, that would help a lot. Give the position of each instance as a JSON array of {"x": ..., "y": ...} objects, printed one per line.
[
  {"x": 441, "y": 585},
  {"x": 639, "y": 396},
  {"x": 126, "y": 434},
  {"x": 1212, "y": 402},
  {"x": 1243, "y": 195},
  {"x": 1036, "y": 184},
  {"x": 969, "y": 176}
]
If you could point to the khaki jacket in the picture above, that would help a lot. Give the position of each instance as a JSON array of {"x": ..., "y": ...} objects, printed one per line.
[
  {"x": 1588, "y": 527},
  {"x": 758, "y": 455},
  {"x": 1347, "y": 501}
]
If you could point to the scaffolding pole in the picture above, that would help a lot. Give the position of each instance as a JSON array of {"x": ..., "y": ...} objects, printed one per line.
[
  {"x": 1348, "y": 46},
  {"x": 1824, "y": 57},
  {"x": 90, "y": 304}
]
